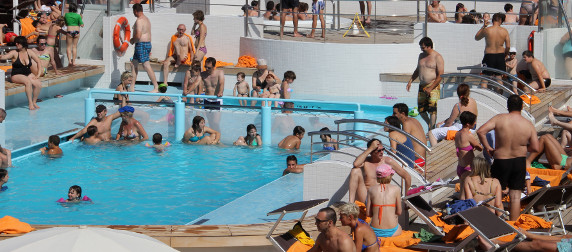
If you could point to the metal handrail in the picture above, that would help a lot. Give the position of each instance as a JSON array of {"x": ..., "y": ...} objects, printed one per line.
[
  {"x": 341, "y": 121},
  {"x": 497, "y": 71},
  {"x": 390, "y": 138}
]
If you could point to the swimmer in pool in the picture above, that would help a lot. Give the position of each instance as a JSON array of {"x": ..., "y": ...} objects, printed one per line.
[
  {"x": 251, "y": 139},
  {"x": 102, "y": 121},
  {"x": 3, "y": 179},
  {"x": 158, "y": 143},
  {"x": 328, "y": 140},
  {"x": 74, "y": 194},
  {"x": 93, "y": 135},
  {"x": 293, "y": 141},
  {"x": 196, "y": 134},
  {"x": 292, "y": 165},
  {"x": 130, "y": 128},
  {"x": 53, "y": 148}
]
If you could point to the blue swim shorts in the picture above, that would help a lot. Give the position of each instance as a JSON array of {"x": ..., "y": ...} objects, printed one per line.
[
  {"x": 318, "y": 6},
  {"x": 142, "y": 51}
]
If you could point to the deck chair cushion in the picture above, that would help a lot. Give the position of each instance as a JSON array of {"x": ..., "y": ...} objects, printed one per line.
[
  {"x": 553, "y": 176},
  {"x": 301, "y": 234},
  {"x": 405, "y": 239}
]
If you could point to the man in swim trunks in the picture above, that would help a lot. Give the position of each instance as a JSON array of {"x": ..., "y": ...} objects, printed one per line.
[
  {"x": 5, "y": 35},
  {"x": 495, "y": 54},
  {"x": 514, "y": 137},
  {"x": 363, "y": 175},
  {"x": 539, "y": 75},
  {"x": 292, "y": 7},
  {"x": 430, "y": 67},
  {"x": 331, "y": 238},
  {"x": 46, "y": 56},
  {"x": 102, "y": 121},
  {"x": 142, "y": 40},
  {"x": 413, "y": 127},
  {"x": 214, "y": 83},
  {"x": 181, "y": 51}
]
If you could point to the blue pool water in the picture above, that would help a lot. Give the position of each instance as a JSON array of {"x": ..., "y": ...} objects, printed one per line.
[{"x": 135, "y": 185}]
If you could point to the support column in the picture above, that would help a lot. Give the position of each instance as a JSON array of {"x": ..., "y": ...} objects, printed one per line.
[
  {"x": 89, "y": 109},
  {"x": 179, "y": 120},
  {"x": 266, "y": 113},
  {"x": 359, "y": 114}
]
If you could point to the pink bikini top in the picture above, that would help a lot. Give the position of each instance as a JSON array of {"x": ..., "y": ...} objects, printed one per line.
[{"x": 467, "y": 148}]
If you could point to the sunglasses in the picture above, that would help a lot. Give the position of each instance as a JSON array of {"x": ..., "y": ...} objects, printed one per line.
[
  {"x": 320, "y": 221},
  {"x": 42, "y": 44}
]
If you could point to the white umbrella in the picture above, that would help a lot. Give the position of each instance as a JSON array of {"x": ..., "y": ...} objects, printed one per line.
[{"x": 85, "y": 239}]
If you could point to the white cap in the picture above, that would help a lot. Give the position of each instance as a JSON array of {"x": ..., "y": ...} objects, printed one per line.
[
  {"x": 261, "y": 62},
  {"x": 512, "y": 49}
]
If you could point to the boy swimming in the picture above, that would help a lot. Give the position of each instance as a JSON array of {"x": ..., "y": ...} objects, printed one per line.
[
  {"x": 53, "y": 148},
  {"x": 293, "y": 141},
  {"x": 93, "y": 135},
  {"x": 158, "y": 143}
]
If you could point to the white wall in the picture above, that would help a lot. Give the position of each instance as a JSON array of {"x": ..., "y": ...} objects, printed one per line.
[
  {"x": 222, "y": 40},
  {"x": 458, "y": 47},
  {"x": 551, "y": 53}
]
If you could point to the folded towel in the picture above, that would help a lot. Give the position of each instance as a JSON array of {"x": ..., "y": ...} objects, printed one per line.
[{"x": 11, "y": 225}]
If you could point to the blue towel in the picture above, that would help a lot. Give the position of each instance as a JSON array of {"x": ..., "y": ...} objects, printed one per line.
[
  {"x": 462, "y": 205},
  {"x": 540, "y": 182}
]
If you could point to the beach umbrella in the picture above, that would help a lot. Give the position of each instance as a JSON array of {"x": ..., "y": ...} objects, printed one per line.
[{"x": 83, "y": 238}]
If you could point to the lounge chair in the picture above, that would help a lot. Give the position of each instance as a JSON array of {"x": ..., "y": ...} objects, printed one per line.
[
  {"x": 490, "y": 227},
  {"x": 285, "y": 241},
  {"x": 424, "y": 210},
  {"x": 549, "y": 202}
]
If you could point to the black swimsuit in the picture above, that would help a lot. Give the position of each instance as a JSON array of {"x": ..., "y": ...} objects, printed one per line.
[{"x": 19, "y": 68}]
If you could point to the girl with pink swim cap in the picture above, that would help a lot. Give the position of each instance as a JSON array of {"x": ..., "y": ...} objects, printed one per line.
[{"x": 385, "y": 200}]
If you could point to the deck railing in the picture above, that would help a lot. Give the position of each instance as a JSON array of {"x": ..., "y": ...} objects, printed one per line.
[{"x": 265, "y": 110}]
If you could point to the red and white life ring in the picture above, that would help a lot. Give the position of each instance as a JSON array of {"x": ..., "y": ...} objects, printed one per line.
[{"x": 119, "y": 43}]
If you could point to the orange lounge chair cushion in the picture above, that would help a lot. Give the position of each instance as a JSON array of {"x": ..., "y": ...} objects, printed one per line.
[
  {"x": 452, "y": 233},
  {"x": 5, "y": 68},
  {"x": 11, "y": 225},
  {"x": 553, "y": 176},
  {"x": 526, "y": 222}
]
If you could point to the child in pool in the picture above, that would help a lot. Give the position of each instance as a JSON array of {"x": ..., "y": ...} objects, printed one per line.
[
  {"x": 465, "y": 143},
  {"x": 3, "y": 179},
  {"x": 292, "y": 165},
  {"x": 241, "y": 89},
  {"x": 158, "y": 143},
  {"x": 293, "y": 141},
  {"x": 163, "y": 89},
  {"x": 251, "y": 138},
  {"x": 53, "y": 148},
  {"x": 93, "y": 135},
  {"x": 74, "y": 195},
  {"x": 328, "y": 140}
]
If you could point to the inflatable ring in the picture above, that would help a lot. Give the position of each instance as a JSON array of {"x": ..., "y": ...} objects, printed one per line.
[{"x": 119, "y": 43}]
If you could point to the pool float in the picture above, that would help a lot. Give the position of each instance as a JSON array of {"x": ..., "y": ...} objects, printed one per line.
[
  {"x": 166, "y": 144},
  {"x": 121, "y": 44},
  {"x": 413, "y": 112},
  {"x": 85, "y": 198}
]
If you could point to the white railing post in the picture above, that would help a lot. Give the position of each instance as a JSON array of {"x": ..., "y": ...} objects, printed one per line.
[{"x": 89, "y": 108}]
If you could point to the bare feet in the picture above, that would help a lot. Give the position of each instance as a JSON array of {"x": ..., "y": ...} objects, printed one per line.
[
  {"x": 31, "y": 106},
  {"x": 568, "y": 108},
  {"x": 551, "y": 118},
  {"x": 541, "y": 90},
  {"x": 154, "y": 91},
  {"x": 36, "y": 106},
  {"x": 311, "y": 35},
  {"x": 297, "y": 34},
  {"x": 552, "y": 109}
]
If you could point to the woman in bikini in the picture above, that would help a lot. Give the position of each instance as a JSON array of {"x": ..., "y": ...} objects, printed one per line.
[
  {"x": 466, "y": 103},
  {"x": 120, "y": 99},
  {"x": 252, "y": 138},
  {"x": 555, "y": 154},
  {"x": 197, "y": 133},
  {"x": 130, "y": 128},
  {"x": 384, "y": 204},
  {"x": 465, "y": 143},
  {"x": 73, "y": 22},
  {"x": 22, "y": 72},
  {"x": 480, "y": 186},
  {"x": 364, "y": 237},
  {"x": 53, "y": 32},
  {"x": 330, "y": 144},
  {"x": 200, "y": 32}
]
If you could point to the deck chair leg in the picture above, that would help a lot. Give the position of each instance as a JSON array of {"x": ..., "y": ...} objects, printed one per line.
[
  {"x": 563, "y": 227},
  {"x": 275, "y": 224}
]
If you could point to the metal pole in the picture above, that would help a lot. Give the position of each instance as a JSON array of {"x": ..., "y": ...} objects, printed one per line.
[
  {"x": 339, "y": 26},
  {"x": 426, "y": 20},
  {"x": 266, "y": 113},
  {"x": 246, "y": 20},
  {"x": 418, "y": 10},
  {"x": 108, "y": 8},
  {"x": 171, "y": 4},
  {"x": 540, "y": 14},
  {"x": 89, "y": 108},
  {"x": 179, "y": 119}
]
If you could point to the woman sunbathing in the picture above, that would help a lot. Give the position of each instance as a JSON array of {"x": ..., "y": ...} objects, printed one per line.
[
  {"x": 384, "y": 199},
  {"x": 480, "y": 186}
]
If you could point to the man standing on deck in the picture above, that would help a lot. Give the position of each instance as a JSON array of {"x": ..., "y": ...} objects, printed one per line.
[
  {"x": 413, "y": 127},
  {"x": 102, "y": 121},
  {"x": 495, "y": 37},
  {"x": 430, "y": 66},
  {"x": 289, "y": 6},
  {"x": 142, "y": 40},
  {"x": 514, "y": 137},
  {"x": 331, "y": 238},
  {"x": 362, "y": 176}
]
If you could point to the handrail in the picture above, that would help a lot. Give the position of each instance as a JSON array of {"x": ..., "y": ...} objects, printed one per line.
[
  {"x": 180, "y": 97},
  {"x": 482, "y": 77},
  {"x": 384, "y": 125},
  {"x": 497, "y": 71},
  {"x": 390, "y": 138}
]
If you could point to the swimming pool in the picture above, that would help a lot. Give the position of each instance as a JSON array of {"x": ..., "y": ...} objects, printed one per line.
[{"x": 132, "y": 184}]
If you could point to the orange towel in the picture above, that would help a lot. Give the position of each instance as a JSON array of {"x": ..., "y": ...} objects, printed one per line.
[
  {"x": 5, "y": 68},
  {"x": 451, "y": 135},
  {"x": 27, "y": 27},
  {"x": 172, "y": 48},
  {"x": 299, "y": 247},
  {"x": 553, "y": 176},
  {"x": 222, "y": 63},
  {"x": 11, "y": 225},
  {"x": 405, "y": 239},
  {"x": 452, "y": 233},
  {"x": 362, "y": 211},
  {"x": 527, "y": 221},
  {"x": 458, "y": 187},
  {"x": 246, "y": 61},
  {"x": 533, "y": 99}
]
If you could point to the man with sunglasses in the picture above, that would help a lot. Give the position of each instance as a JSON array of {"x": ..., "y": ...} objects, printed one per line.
[
  {"x": 363, "y": 175},
  {"x": 331, "y": 238},
  {"x": 46, "y": 56}
]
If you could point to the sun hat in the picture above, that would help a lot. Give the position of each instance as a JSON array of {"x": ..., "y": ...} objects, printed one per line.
[
  {"x": 126, "y": 109},
  {"x": 261, "y": 62},
  {"x": 384, "y": 170},
  {"x": 512, "y": 49}
]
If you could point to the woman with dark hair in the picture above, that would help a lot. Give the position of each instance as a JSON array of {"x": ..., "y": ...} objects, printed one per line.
[
  {"x": 22, "y": 72},
  {"x": 452, "y": 123},
  {"x": 460, "y": 12},
  {"x": 200, "y": 32},
  {"x": 252, "y": 138},
  {"x": 197, "y": 133}
]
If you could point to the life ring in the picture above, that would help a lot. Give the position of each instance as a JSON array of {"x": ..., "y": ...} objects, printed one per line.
[
  {"x": 119, "y": 43},
  {"x": 531, "y": 42}
]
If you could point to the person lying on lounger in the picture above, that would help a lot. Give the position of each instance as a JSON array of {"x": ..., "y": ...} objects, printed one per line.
[{"x": 555, "y": 154}]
